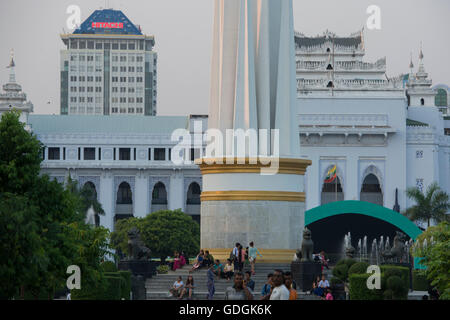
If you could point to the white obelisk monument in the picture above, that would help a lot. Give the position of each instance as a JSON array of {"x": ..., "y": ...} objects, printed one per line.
[{"x": 253, "y": 86}]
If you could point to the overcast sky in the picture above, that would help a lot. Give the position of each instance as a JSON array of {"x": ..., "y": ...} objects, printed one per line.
[{"x": 183, "y": 34}]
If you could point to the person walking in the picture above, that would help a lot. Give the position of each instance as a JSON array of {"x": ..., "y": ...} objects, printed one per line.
[
  {"x": 234, "y": 256},
  {"x": 210, "y": 283},
  {"x": 252, "y": 252},
  {"x": 241, "y": 258}
]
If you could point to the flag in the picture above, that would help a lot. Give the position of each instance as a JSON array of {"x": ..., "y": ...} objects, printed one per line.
[{"x": 331, "y": 175}]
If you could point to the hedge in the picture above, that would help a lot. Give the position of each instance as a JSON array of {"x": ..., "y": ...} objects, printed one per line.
[
  {"x": 420, "y": 281},
  {"x": 358, "y": 268},
  {"x": 348, "y": 262},
  {"x": 108, "y": 266},
  {"x": 126, "y": 288},
  {"x": 117, "y": 286},
  {"x": 341, "y": 272},
  {"x": 335, "y": 281},
  {"x": 402, "y": 272},
  {"x": 358, "y": 288}
]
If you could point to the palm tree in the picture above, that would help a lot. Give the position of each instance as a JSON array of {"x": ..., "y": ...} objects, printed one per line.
[{"x": 433, "y": 204}]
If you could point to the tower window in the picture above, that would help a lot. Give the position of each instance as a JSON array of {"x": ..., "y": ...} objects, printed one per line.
[{"x": 422, "y": 102}]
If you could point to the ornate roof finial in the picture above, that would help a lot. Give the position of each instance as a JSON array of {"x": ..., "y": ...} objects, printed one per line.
[
  {"x": 12, "y": 74},
  {"x": 421, "y": 51},
  {"x": 411, "y": 64}
]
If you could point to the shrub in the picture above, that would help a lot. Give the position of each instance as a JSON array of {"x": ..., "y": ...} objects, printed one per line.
[
  {"x": 162, "y": 269},
  {"x": 113, "y": 290},
  {"x": 108, "y": 266},
  {"x": 341, "y": 272},
  {"x": 126, "y": 289},
  {"x": 420, "y": 281},
  {"x": 347, "y": 262},
  {"x": 396, "y": 288},
  {"x": 402, "y": 272},
  {"x": 358, "y": 288},
  {"x": 335, "y": 281},
  {"x": 358, "y": 268},
  {"x": 91, "y": 291}
]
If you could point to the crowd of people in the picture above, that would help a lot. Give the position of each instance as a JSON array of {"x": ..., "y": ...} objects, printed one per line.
[{"x": 278, "y": 286}]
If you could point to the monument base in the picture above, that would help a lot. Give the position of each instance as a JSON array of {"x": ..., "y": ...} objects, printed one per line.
[
  {"x": 269, "y": 255},
  {"x": 305, "y": 273},
  {"x": 138, "y": 290},
  {"x": 275, "y": 225},
  {"x": 143, "y": 268}
]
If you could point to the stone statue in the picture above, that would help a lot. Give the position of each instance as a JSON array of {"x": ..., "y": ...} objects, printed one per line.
[
  {"x": 136, "y": 248},
  {"x": 350, "y": 252},
  {"x": 398, "y": 248},
  {"x": 307, "y": 246}
]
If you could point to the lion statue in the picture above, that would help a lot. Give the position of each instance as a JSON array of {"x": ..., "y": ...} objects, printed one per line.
[
  {"x": 306, "y": 252},
  {"x": 136, "y": 248}
]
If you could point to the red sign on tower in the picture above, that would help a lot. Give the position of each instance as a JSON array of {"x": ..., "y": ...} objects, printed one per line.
[{"x": 107, "y": 25}]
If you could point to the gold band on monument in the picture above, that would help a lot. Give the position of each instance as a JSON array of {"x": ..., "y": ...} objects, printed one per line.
[
  {"x": 248, "y": 165},
  {"x": 253, "y": 196}
]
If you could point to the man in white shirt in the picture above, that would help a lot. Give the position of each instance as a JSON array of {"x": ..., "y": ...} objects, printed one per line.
[
  {"x": 279, "y": 292},
  {"x": 324, "y": 283}
]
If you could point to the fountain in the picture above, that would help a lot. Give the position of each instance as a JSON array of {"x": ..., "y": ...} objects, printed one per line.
[
  {"x": 374, "y": 259},
  {"x": 387, "y": 246},
  {"x": 365, "y": 248},
  {"x": 381, "y": 245},
  {"x": 359, "y": 250}
]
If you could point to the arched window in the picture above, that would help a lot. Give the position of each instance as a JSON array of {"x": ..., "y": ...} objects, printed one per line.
[
  {"x": 124, "y": 195},
  {"x": 332, "y": 192},
  {"x": 193, "y": 194},
  {"x": 371, "y": 190},
  {"x": 330, "y": 84},
  {"x": 90, "y": 188},
  {"x": 330, "y": 67},
  {"x": 441, "y": 98},
  {"x": 422, "y": 102},
  {"x": 159, "y": 194}
]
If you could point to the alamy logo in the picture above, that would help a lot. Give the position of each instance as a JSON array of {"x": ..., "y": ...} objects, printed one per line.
[
  {"x": 374, "y": 280},
  {"x": 74, "y": 20},
  {"x": 238, "y": 146},
  {"x": 74, "y": 280},
  {"x": 374, "y": 20}
]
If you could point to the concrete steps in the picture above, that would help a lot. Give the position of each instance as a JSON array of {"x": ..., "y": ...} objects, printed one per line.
[{"x": 158, "y": 286}]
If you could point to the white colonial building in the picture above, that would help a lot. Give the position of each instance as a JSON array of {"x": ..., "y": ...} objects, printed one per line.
[{"x": 382, "y": 134}]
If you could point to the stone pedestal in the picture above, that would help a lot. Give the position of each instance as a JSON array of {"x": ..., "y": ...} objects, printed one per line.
[
  {"x": 138, "y": 288},
  {"x": 304, "y": 274},
  {"x": 143, "y": 268}
]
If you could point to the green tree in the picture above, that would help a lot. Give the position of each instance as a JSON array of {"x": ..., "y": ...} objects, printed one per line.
[
  {"x": 433, "y": 204},
  {"x": 88, "y": 197},
  {"x": 20, "y": 155},
  {"x": 436, "y": 257},
  {"x": 42, "y": 228},
  {"x": 18, "y": 242},
  {"x": 163, "y": 232}
]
